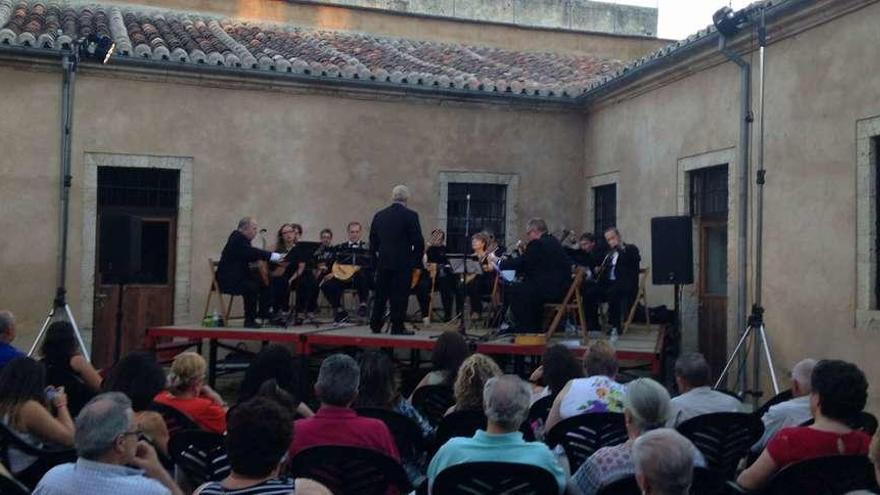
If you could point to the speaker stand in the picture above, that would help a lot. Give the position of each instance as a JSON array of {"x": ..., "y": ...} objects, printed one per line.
[{"x": 59, "y": 304}]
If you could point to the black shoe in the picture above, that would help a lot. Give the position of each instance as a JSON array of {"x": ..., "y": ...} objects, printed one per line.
[
  {"x": 341, "y": 316},
  {"x": 402, "y": 331},
  {"x": 362, "y": 311},
  {"x": 376, "y": 327},
  {"x": 252, "y": 324}
]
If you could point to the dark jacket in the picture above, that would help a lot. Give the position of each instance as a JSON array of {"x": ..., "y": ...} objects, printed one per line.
[
  {"x": 396, "y": 238},
  {"x": 233, "y": 267},
  {"x": 627, "y": 269},
  {"x": 545, "y": 264}
]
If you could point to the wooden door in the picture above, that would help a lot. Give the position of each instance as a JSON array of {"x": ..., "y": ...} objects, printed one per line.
[
  {"x": 713, "y": 293},
  {"x": 147, "y": 300}
]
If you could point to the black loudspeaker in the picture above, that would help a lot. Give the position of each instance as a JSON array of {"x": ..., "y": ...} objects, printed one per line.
[
  {"x": 672, "y": 251},
  {"x": 120, "y": 246}
]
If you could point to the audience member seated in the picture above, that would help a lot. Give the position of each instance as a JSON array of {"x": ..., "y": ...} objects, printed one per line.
[
  {"x": 274, "y": 362},
  {"x": 38, "y": 414},
  {"x": 259, "y": 434},
  {"x": 874, "y": 454},
  {"x": 336, "y": 423},
  {"x": 506, "y": 402},
  {"x": 449, "y": 352},
  {"x": 107, "y": 444},
  {"x": 839, "y": 393},
  {"x": 558, "y": 366},
  {"x": 471, "y": 379},
  {"x": 139, "y": 376},
  {"x": 188, "y": 393},
  {"x": 66, "y": 367},
  {"x": 793, "y": 412},
  {"x": 693, "y": 378},
  {"x": 645, "y": 408},
  {"x": 664, "y": 462},
  {"x": 379, "y": 387},
  {"x": 596, "y": 393},
  {"x": 7, "y": 335}
]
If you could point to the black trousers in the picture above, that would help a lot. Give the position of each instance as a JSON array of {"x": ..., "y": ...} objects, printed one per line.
[
  {"x": 480, "y": 286},
  {"x": 334, "y": 288},
  {"x": 526, "y": 300},
  {"x": 422, "y": 291},
  {"x": 392, "y": 286},
  {"x": 306, "y": 292},
  {"x": 619, "y": 299},
  {"x": 256, "y": 296},
  {"x": 449, "y": 286}
]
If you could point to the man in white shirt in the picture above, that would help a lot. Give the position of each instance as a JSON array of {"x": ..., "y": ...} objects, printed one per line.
[
  {"x": 693, "y": 376},
  {"x": 792, "y": 412}
]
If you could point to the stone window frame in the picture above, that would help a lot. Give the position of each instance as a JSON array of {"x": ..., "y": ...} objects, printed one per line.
[
  {"x": 867, "y": 314},
  {"x": 511, "y": 226},
  {"x": 593, "y": 182},
  {"x": 184, "y": 165},
  {"x": 690, "y": 293}
]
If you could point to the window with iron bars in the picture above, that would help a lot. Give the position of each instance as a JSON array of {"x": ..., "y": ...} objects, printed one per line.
[{"x": 488, "y": 212}]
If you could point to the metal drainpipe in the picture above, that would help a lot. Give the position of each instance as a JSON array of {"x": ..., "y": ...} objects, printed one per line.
[{"x": 746, "y": 119}]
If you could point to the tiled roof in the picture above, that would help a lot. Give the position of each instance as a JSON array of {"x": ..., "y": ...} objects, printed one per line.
[{"x": 194, "y": 38}]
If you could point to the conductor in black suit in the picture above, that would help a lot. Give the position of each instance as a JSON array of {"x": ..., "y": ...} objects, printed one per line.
[
  {"x": 620, "y": 279},
  {"x": 234, "y": 274},
  {"x": 397, "y": 245},
  {"x": 546, "y": 272}
]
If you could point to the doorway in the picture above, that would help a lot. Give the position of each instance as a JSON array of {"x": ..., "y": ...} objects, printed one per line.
[
  {"x": 146, "y": 296},
  {"x": 709, "y": 195}
]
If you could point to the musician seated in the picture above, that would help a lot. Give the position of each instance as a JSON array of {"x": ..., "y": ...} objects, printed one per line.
[
  {"x": 546, "y": 275},
  {"x": 420, "y": 287},
  {"x": 446, "y": 282},
  {"x": 359, "y": 281},
  {"x": 587, "y": 254},
  {"x": 617, "y": 284},
  {"x": 322, "y": 260},
  {"x": 234, "y": 274},
  {"x": 480, "y": 284},
  {"x": 293, "y": 276}
]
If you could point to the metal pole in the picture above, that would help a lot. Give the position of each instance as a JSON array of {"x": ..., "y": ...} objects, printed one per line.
[
  {"x": 759, "y": 206},
  {"x": 68, "y": 63}
]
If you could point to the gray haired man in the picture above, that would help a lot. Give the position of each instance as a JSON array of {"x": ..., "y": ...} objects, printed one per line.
[
  {"x": 506, "y": 402},
  {"x": 7, "y": 335},
  {"x": 664, "y": 462},
  {"x": 107, "y": 443},
  {"x": 793, "y": 412}
]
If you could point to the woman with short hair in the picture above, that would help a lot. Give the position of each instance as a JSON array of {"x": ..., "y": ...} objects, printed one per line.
[{"x": 188, "y": 393}]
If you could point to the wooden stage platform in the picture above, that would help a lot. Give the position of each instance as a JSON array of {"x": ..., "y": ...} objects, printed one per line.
[{"x": 638, "y": 345}]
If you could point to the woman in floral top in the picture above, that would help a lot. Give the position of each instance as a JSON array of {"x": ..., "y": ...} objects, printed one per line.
[{"x": 595, "y": 394}]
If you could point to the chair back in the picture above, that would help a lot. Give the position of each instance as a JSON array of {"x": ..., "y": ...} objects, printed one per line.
[
  {"x": 47, "y": 458},
  {"x": 459, "y": 424},
  {"x": 776, "y": 399},
  {"x": 723, "y": 438},
  {"x": 538, "y": 415},
  {"x": 175, "y": 420},
  {"x": 704, "y": 482},
  {"x": 490, "y": 478},
  {"x": 201, "y": 455},
  {"x": 584, "y": 434},
  {"x": 9, "y": 486},
  {"x": 350, "y": 470},
  {"x": 433, "y": 401},
  {"x": 831, "y": 475},
  {"x": 407, "y": 434}
]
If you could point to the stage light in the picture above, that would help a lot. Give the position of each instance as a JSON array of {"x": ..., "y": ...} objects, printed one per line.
[
  {"x": 728, "y": 22},
  {"x": 96, "y": 47}
]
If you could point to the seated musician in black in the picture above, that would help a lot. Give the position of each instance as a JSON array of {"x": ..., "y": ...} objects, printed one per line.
[
  {"x": 295, "y": 276},
  {"x": 546, "y": 276},
  {"x": 360, "y": 281},
  {"x": 322, "y": 260},
  {"x": 446, "y": 282},
  {"x": 587, "y": 254},
  {"x": 234, "y": 274},
  {"x": 480, "y": 284}
]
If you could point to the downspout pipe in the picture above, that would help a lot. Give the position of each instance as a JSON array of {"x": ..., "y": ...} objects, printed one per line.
[{"x": 745, "y": 123}]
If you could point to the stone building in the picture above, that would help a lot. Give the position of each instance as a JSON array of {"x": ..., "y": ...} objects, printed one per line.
[{"x": 290, "y": 110}]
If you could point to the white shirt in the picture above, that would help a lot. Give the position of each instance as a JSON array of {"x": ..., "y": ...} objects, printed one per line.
[
  {"x": 699, "y": 401},
  {"x": 792, "y": 412},
  {"x": 612, "y": 275}
]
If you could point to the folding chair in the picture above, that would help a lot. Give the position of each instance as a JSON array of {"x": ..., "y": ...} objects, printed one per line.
[
  {"x": 224, "y": 310},
  {"x": 567, "y": 306},
  {"x": 641, "y": 296}
]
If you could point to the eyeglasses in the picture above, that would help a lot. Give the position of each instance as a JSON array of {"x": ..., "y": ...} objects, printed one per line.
[{"x": 137, "y": 432}]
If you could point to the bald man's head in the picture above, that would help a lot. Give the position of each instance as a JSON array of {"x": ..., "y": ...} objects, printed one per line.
[{"x": 800, "y": 377}]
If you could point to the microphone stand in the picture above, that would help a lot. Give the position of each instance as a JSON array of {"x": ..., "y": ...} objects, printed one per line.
[{"x": 465, "y": 316}]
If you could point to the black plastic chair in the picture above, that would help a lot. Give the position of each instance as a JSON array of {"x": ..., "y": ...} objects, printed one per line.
[
  {"x": 540, "y": 409},
  {"x": 46, "y": 457},
  {"x": 466, "y": 423},
  {"x": 831, "y": 475},
  {"x": 493, "y": 478},
  {"x": 704, "y": 482},
  {"x": 723, "y": 438},
  {"x": 407, "y": 434},
  {"x": 433, "y": 401},
  {"x": 201, "y": 455},
  {"x": 776, "y": 399},
  {"x": 350, "y": 470},
  {"x": 9, "y": 486},
  {"x": 175, "y": 420},
  {"x": 584, "y": 434}
]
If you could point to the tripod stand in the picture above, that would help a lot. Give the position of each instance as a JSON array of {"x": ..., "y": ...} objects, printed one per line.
[
  {"x": 755, "y": 330},
  {"x": 60, "y": 304}
]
